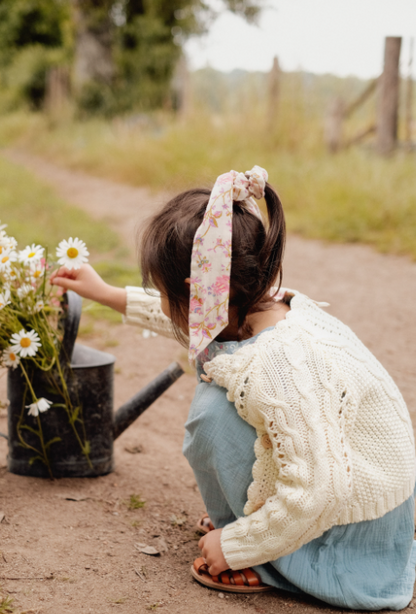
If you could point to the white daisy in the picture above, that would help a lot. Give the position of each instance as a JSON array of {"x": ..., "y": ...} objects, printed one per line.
[
  {"x": 24, "y": 290},
  {"x": 72, "y": 253},
  {"x": 6, "y": 258},
  {"x": 38, "y": 306},
  {"x": 41, "y": 405},
  {"x": 25, "y": 343},
  {"x": 4, "y": 298},
  {"x": 7, "y": 242},
  {"x": 11, "y": 359},
  {"x": 31, "y": 253},
  {"x": 37, "y": 270},
  {"x": 11, "y": 275}
]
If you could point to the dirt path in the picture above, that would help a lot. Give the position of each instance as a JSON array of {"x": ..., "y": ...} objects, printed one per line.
[{"x": 64, "y": 556}]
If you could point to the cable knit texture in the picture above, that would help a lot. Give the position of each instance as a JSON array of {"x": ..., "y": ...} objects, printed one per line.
[
  {"x": 335, "y": 441},
  {"x": 144, "y": 310}
]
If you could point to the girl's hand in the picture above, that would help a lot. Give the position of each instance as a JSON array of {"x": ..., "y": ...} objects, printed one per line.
[
  {"x": 87, "y": 283},
  {"x": 84, "y": 281},
  {"x": 210, "y": 546}
]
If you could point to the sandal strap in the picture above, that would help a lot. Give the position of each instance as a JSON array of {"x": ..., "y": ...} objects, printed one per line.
[
  {"x": 200, "y": 565},
  {"x": 245, "y": 577},
  {"x": 208, "y": 524},
  {"x": 251, "y": 577},
  {"x": 224, "y": 578},
  {"x": 238, "y": 578}
]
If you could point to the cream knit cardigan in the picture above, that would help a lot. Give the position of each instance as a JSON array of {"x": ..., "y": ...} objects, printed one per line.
[{"x": 335, "y": 441}]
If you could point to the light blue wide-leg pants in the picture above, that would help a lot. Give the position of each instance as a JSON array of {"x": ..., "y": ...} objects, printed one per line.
[{"x": 364, "y": 566}]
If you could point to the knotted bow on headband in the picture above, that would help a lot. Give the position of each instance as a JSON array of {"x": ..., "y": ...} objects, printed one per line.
[{"x": 211, "y": 255}]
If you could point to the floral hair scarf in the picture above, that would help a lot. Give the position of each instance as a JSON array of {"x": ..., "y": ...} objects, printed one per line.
[{"x": 211, "y": 255}]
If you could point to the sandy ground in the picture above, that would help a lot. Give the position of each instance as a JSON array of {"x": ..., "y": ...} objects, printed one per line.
[{"x": 72, "y": 545}]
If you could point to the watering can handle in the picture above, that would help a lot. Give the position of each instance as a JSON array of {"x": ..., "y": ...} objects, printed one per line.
[{"x": 71, "y": 305}]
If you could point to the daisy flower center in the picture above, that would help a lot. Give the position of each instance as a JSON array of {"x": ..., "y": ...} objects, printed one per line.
[
  {"x": 36, "y": 274},
  {"x": 5, "y": 259},
  {"x": 31, "y": 254},
  {"x": 72, "y": 252},
  {"x": 12, "y": 356},
  {"x": 1, "y": 249},
  {"x": 25, "y": 342}
]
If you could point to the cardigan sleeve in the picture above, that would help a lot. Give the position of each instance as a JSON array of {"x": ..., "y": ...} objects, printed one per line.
[
  {"x": 144, "y": 310},
  {"x": 295, "y": 398}
]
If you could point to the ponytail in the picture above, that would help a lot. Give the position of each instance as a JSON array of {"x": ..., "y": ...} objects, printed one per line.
[
  {"x": 271, "y": 255},
  {"x": 252, "y": 288},
  {"x": 256, "y": 264}
]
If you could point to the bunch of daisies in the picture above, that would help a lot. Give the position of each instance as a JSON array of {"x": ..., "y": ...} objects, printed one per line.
[{"x": 30, "y": 305}]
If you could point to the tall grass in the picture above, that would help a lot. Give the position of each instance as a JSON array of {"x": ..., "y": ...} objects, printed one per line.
[{"x": 353, "y": 196}]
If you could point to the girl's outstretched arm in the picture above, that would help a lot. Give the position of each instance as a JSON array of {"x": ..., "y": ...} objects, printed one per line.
[{"x": 87, "y": 283}]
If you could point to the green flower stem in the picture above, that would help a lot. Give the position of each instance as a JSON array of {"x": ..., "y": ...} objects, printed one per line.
[
  {"x": 28, "y": 383},
  {"x": 42, "y": 443},
  {"x": 69, "y": 410},
  {"x": 44, "y": 274},
  {"x": 43, "y": 454}
]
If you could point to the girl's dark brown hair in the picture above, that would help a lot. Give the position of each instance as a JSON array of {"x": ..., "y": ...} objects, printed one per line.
[{"x": 256, "y": 261}]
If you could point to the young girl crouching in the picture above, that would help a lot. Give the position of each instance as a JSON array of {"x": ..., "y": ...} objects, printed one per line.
[{"x": 301, "y": 443}]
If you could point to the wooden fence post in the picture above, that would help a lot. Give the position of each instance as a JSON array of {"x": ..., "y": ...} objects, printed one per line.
[
  {"x": 334, "y": 124},
  {"x": 274, "y": 91},
  {"x": 388, "y": 103},
  {"x": 409, "y": 98}
]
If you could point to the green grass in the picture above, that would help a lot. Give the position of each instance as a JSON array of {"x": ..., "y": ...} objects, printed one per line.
[
  {"x": 35, "y": 214},
  {"x": 6, "y": 604},
  {"x": 355, "y": 196},
  {"x": 135, "y": 502}
]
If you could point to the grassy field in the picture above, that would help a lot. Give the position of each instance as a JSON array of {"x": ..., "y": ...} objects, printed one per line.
[{"x": 354, "y": 196}]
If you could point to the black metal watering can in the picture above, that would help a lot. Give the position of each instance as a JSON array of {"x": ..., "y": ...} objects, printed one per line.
[{"x": 90, "y": 384}]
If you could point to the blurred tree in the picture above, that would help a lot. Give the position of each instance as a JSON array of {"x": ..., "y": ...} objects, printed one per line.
[
  {"x": 124, "y": 51},
  {"x": 34, "y": 35},
  {"x": 30, "y": 22},
  {"x": 127, "y": 50}
]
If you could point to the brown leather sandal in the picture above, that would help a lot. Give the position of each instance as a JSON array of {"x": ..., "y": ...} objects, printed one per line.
[
  {"x": 204, "y": 524},
  {"x": 242, "y": 581}
]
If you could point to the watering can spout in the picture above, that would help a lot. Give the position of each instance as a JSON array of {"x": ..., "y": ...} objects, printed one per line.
[{"x": 131, "y": 410}]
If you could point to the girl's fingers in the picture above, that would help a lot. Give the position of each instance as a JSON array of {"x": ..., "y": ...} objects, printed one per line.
[
  {"x": 62, "y": 272},
  {"x": 65, "y": 282}
]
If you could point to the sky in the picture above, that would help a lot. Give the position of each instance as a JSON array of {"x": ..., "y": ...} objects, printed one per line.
[{"x": 342, "y": 37}]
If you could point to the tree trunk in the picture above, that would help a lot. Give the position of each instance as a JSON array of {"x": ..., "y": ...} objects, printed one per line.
[
  {"x": 93, "y": 46},
  {"x": 388, "y": 105}
]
